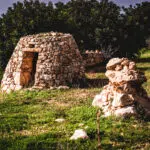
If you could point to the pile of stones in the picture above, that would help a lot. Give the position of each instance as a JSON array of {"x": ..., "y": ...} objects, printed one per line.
[
  {"x": 58, "y": 62},
  {"x": 92, "y": 58},
  {"x": 124, "y": 94}
]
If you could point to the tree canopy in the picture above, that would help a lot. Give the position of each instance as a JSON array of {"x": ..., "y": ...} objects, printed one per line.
[{"x": 94, "y": 25}]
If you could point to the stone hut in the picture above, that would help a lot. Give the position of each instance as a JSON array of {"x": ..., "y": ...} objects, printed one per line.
[{"x": 42, "y": 61}]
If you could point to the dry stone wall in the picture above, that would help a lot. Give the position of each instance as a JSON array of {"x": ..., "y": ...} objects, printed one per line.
[
  {"x": 43, "y": 60},
  {"x": 92, "y": 58}
]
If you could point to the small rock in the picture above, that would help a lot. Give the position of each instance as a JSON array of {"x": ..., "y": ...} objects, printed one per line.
[
  {"x": 100, "y": 100},
  {"x": 87, "y": 51},
  {"x": 81, "y": 124},
  {"x": 63, "y": 87},
  {"x": 53, "y": 34},
  {"x": 132, "y": 65},
  {"x": 18, "y": 87},
  {"x": 86, "y": 127},
  {"x": 125, "y": 62},
  {"x": 125, "y": 111},
  {"x": 79, "y": 134},
  {"x": 112, "y": 63},
  {"x": 118, "y": 67},
  {"x": 52, "y": 88},
  {"x": 60, "y": 120}
]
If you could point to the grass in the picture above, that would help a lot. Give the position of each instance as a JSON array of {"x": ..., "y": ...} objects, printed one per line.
[
  {"x": 144, "y": 65},
  {"x": 27, "y": 120}
]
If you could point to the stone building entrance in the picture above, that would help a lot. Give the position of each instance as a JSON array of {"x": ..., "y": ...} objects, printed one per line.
[
  {"x": 43, "y": 61},
  {"x": 28, "y": 68}
]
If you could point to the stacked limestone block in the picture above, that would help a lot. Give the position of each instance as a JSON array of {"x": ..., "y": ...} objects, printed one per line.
[
  {"x": 92, "y": 58},
  {"x": 59, "y": 62},
  {"x": 124, "y": 95}
]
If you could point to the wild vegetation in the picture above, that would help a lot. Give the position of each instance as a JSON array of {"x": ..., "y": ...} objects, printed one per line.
[
  {"x": 28, "y": 120},
  {"x": 94, "y": 24}
]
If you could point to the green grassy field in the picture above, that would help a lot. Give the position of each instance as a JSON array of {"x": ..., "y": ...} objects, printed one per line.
[{"x": 27, "y": 120}]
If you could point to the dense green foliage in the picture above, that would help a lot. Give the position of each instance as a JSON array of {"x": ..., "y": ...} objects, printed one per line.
[{"x": 94, "y": 25}]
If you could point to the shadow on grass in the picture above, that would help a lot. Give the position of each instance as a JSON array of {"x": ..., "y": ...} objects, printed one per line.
[
  {"x": 89, "y": 83},
  {"x": 13, "y": 122},
  {"x": 144, "y": 68},
  {"x": 57, "y": 141},
  {"x": 144, "y": 64},
  {"x": 99, "y": 68},
  {"x": 98, "y": 83},
  {"x": 47, "y": 141},
  {"x": 50, "y": 141},
  {"x": 143, "y": 60}
]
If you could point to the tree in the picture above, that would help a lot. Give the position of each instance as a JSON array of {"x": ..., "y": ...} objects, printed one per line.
[
  {"x": 91, "y": 22},
  {"x": 135, "y": 29},
  {"x": 107, "y": 21},
  {"x": 94, "y": 25},
  {"x": 25, "y": 18}
]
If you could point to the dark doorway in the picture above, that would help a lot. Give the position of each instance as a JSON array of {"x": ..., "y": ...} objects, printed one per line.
[
  {"x": 28, "y": 69},
  {"x": 34, "y": 62}
]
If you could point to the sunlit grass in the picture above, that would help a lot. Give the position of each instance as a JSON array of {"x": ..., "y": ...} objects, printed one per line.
[
  {"x": 27, "y": 120},
  {"x": 145, "y": 54}
]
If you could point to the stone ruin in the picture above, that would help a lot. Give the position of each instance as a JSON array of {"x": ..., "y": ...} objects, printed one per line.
[
  {"x": 92, "y": 58},
  {"x": 124, "y": 94},
  {"x": 43, "y": 61}
]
